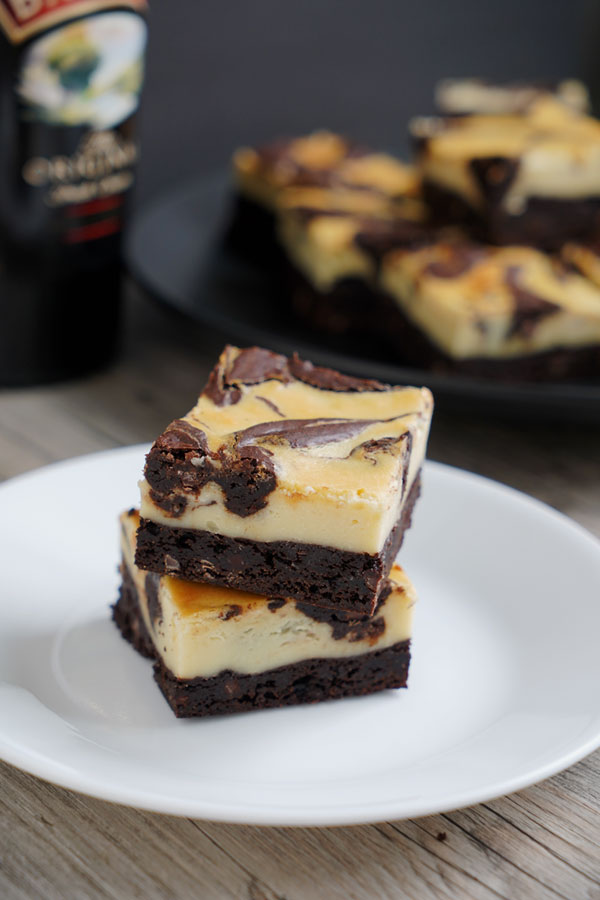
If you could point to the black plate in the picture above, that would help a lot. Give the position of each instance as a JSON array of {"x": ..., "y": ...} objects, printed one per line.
[{"x": 174, "y": 250}]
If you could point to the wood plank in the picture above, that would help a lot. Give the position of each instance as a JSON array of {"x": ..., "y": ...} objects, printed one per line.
[
  {"x": 58, "y": 844},
  {"x": 39, "y": 420},
  {"x": 554, "y": 820},
  {"x": 345, "y": 863},
  {"x": 18, "y": 454},
  {"x": 520, "y": 856}
]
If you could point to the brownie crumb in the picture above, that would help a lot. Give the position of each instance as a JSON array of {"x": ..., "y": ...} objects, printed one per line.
[
  {"x": 233, "y": 610},
  {"x": 276, "y": 603}
]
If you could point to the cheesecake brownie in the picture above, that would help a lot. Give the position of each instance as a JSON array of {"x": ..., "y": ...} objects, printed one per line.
[
  {"x": 219, "y": 650},
  {"x": 322, "y": 159},
  {"x": 532, "y": 179},
  {"x": 514, "y": 312},
  {"x": 476, "y": 96},
  {"x": 286, "y": 479}
]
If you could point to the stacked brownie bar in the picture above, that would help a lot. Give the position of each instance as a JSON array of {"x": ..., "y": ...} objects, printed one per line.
[
  {"x": 482, "y": 259},
  {"x": 260, "y": 570}
]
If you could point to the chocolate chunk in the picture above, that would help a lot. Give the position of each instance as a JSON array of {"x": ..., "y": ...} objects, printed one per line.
[
  {"x": 173, "y": 505},
  {"x": 304, "y": 432},
  {"x": 371, "y": 449},
  {"x": 246, "y": 474},
  {"x": 246, "y": 478},
  {"x": 251, "y": 366},
  {"x": 457, "y": 259},
  {"x": 276, "y": 603},
  {"x": 171, "y": 564},
  {"x": 181, "y": 435},
  {"x": 529, "y": 307},
  {"x": 329, "y": 379},
  {"x": 494, "y": 175},
  {"x": 378, "y": 237},
  {"x": 246, "y": 482},
  {"x": 255, "y": 365},
  {"x": 233, "y": 610},
  {"x": 361, "y": 629},
  {"x": 151, "y": 584}
]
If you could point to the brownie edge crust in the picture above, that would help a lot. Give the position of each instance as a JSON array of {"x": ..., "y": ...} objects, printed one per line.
[
  {"x": 127, "y": 616},
  {"x": 275, "y": 568}
]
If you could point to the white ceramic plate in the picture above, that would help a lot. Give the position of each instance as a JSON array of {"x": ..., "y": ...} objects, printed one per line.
[{"x": 503, "y": 685}]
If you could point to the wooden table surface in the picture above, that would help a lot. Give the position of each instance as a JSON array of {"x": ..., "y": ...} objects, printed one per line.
[{"x": 543, "y": 842}]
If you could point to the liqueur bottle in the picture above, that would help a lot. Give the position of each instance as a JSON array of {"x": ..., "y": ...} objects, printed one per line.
[{"x": 71, "y": 74}]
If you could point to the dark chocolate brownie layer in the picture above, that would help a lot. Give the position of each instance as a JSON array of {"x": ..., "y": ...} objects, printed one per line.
[
  {"x": 275, "y": 568},
  {"x": 353, "y": 307},
  {"x": 544, "y": 223},
  {"x": 126, "y": 615},
  {"x": 311, "y": 681}
]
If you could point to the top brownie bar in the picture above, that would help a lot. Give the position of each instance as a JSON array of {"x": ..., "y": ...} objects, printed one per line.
[
  {"x": 286, "y": 479},
  {"x": 532, "y": 179}
]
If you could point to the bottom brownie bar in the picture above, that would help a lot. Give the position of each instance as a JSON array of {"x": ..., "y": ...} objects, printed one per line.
[{"x": 221, "y": 651}]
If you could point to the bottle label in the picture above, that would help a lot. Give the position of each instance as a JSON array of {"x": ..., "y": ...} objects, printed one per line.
[
  {"x": 20, "y": 19},
  {"x": 76, "y": 90},
  {"x": 85, "y": 73}
]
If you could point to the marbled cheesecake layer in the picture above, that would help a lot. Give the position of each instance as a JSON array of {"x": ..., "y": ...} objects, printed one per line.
[
  {"x": 200, "y": 631},
  {"x": 279, "y": 450}
]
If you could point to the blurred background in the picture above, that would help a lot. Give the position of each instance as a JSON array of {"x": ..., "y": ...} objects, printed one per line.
[
  {"x": 220, "y": 75},
  {"x": 224, "y": 74}
]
